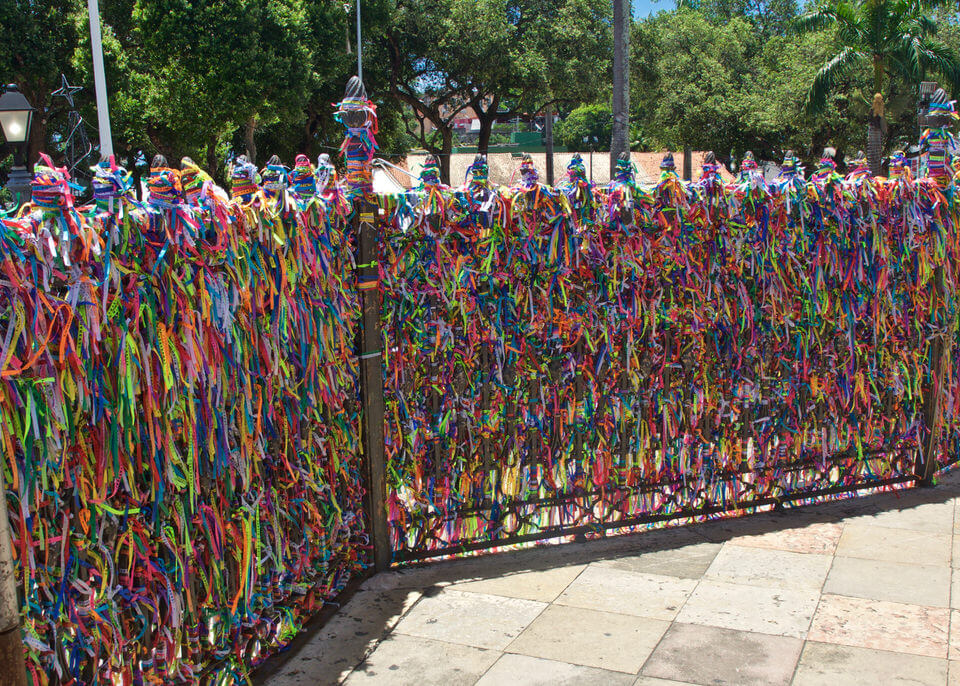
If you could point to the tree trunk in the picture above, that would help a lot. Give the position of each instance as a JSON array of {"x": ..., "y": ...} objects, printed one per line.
[
  {"x": 687, "y": 163},
  {"x": 447, "y": 135},
  {"x": 874, "y": 145},
  {"x": 213, "y": 168},
  {"x": 37, "y": 142},
  {"x": 548, "y": 134},
  {"x": 619, "y": 140},
  {"x": 486, "y": 129},
  {"x": 875, "y": 130},
  {"x": 248, "y": 130}
]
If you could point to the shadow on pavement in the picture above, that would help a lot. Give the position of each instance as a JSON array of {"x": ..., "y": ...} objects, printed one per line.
[{"x": 339, "y": 639}]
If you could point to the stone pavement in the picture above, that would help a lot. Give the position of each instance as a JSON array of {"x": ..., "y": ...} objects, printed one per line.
[{"x": 853, "y": 592}]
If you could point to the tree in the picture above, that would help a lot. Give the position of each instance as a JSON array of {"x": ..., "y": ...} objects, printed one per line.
[
  {"x": 30, "y": 56},
  {"x": 500, "y": 58},
  {"x": 895, "y": 38},
  {"x": 586, "y": 121},
  {"x": 768, "y": 17},
  {"x": 241, "y": 64},
  {"x": 690, "y": 80}
]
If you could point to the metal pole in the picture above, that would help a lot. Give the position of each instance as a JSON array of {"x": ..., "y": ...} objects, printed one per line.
[
  {"x": 359, "y": 46},
  {"x": 548, "y": 133},
  {"x": 13, "y": 670},
  {"x": 371, "y": 381},
  {"x": 100, "y": 80}
]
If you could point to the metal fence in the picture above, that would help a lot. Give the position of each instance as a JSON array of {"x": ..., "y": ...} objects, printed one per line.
[
  {"x": 562, "y": 362},
  {"x": 216, "y": 414}
]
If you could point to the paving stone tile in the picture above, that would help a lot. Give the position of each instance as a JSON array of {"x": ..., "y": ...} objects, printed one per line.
[
  {"x": 894, "y": 545},
  {"x": 523, "y": 670},
  {"x": 345, "y": 639},
  {"x": 955, "y": 553},
  {"x": 911, "y": 513},
  {"x": 899, "y": 583},
  {"x": 824, "y": 664},
  {"x": 711, "y": 655},
  {"x": 774, "y": 568},
  {"x": 475, "y": 619},
  {"x": 779, "y": 611},
  {"x": 955, "y": 589},
  {"x": 587, "y": 637},
  {"x": 633, "y": 593},
  {"x": 687, "y": 562},
  {"x": 544, "y": 585},
  {"x": 816, "y": 538},
  {"x": 769, "y": 522},
  {"x": 953, "y": 673},
  {"x": 410, "y": 661},
  {"x": 654, "y": 681},
  {"x": 954, "y": 653},
  {"x": 881, "y": 625}
]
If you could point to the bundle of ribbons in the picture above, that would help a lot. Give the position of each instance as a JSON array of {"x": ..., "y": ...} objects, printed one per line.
[
  {"x": 587, "y": 358},
  {"x": 179, "y": 422}
]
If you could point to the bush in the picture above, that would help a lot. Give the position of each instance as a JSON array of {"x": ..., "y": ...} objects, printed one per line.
[{"x": 586, "y": 121}]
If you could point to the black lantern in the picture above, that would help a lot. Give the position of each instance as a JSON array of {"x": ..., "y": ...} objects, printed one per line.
[{"x": 16, "y": 114}]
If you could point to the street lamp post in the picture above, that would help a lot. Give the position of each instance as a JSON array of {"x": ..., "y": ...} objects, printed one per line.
[
  {"x": 16, "y": 115},
  {"x": 592, "y": 140}
]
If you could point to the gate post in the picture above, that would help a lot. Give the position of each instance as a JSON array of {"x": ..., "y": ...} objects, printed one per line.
[
  {"x": 926, "y": 465},
  {"x": 359, "y": 116},
  {"x": 371, "y": 379}
]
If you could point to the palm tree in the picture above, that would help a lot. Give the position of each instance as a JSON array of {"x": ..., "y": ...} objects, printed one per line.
[
  {"x": 620, "y": 134},
  {"x": 893, "y": 37}
]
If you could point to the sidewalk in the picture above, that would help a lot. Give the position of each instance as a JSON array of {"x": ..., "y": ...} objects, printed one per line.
[{"x": 853, "y": 592}]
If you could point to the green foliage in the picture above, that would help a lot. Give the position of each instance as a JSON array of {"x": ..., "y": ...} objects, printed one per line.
[
  {"x": 586, "y": 121},
  {"x": 693, "y": 80},
  {"x": 723, "y": 85},
  {"x": 768, "y": 17},
  {"x": 893, "y": 38},
  {"x": 206, "y": 78},
  {"x": 32, "y": 54},
  {"x": 497, "y": 57}
]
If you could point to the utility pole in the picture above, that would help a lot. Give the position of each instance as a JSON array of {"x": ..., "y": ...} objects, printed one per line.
[
  {"x": 100, "y": 80},
  {"x": 548, "y": 134},
  {"x": 359, "y": 46},
  {"x": 620, "y": 138}
]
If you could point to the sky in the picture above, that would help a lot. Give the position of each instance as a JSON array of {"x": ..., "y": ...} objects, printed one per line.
[{"x": 643, "y": 8}]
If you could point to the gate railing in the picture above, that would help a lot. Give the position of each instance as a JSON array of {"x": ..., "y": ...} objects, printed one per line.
[
  {"x": 215, "y": 414},
  {"x": 562, "y": 362}
]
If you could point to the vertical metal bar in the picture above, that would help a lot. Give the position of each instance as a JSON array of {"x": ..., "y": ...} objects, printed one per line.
[
  {"x": 13, "y": 669},
  {"x": 371, "y": 382}
]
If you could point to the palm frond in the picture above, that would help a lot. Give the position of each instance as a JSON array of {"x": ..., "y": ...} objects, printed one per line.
[
  {"x": 939, "y": 58},
  {"x": 829, "y": 76},
  {"x": 813, "y": 21}
]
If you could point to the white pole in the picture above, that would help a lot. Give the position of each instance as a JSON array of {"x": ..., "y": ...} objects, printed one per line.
[
  {"x": 100, "y": 80},
  {"x": 359, "y": 47},
  {"x": 13, "y": 671}
]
